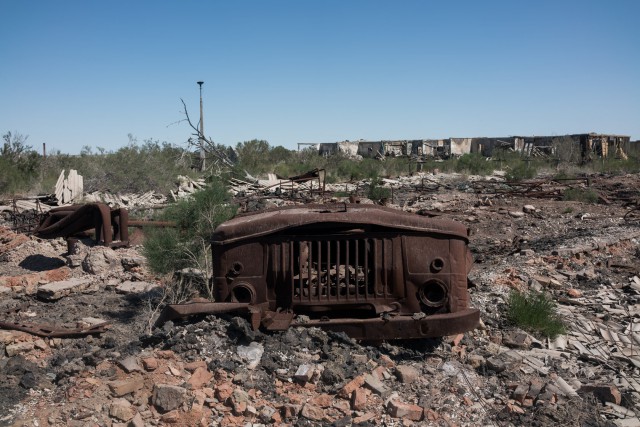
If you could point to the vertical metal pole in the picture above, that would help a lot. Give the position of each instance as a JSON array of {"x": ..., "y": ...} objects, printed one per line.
[{"x": 201, "y": 136}]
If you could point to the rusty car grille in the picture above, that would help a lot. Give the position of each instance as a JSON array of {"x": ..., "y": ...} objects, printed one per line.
[{"x": 333, "y": 270}]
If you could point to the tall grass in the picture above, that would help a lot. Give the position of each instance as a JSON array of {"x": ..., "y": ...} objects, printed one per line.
[{"x": 535, "y": 312}]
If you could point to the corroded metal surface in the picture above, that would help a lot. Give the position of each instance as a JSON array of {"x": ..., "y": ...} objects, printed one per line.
[
  {"x": 369, "y": 271},
  {"x": 66, "y": 221},
  {"x": 49, "y": 331}
]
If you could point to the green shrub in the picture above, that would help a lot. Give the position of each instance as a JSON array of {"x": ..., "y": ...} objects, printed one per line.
[
  {"x": 564, "y": 174},
  {"x": 19, "y": 163},
  {"x": 614, "y": 165},
  {"x": 397, "y": 166},
  {"x": 188, "y": 245},
  {"x": 376, "y": 192},
  {"x": 580, "y": 195},
  {"x": 135, "y": 168},
  {"x": 535, "y": 312},
  {"x": 341, "y": 194},
  {"x": 521, "y": 171},
  {"x": 474, "y": 164}
]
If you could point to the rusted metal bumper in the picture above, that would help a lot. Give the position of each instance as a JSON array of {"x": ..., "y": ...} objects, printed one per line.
[
  {"x": 179, "y": 311},
  {"x": 402, "y": 327},
  {"x": 370, "y": 329}
]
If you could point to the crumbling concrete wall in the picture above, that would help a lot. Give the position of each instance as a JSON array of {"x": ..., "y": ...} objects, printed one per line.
[
  {"x": 459, "y": 146},
  {"x": 348, "y": 148}
]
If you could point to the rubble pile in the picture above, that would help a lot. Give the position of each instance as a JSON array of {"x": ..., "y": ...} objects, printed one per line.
[{"x": 216, "y": 370}]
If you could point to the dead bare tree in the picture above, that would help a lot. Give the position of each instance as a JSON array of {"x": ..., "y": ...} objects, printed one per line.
[{"x": 197, "y": 140}]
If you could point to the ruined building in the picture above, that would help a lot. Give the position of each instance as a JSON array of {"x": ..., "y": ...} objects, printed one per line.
[{"x": 581, "y": 147}]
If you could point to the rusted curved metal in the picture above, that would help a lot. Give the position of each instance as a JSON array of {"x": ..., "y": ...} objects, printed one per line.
[{"x": 66, "y": 221}]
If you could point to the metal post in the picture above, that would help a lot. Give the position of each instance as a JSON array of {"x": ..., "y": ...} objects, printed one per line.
[{"x": 201, "y": 136}]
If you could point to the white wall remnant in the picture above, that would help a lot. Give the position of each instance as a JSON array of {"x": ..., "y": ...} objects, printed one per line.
[{"x": 69, "y": 189}]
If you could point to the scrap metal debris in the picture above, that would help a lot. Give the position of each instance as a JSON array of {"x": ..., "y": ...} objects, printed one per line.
[
  {"x": 109, "y": 225},
  {"x": 48, "y": 331}
]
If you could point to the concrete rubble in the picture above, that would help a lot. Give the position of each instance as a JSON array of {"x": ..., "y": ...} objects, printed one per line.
[{"x": 218, "y": 371}]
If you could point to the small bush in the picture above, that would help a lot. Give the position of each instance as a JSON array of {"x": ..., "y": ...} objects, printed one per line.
[
  {"x": 521, "y": 171},
  {"x": 535, "y": 312},
  {"x": 341, "y": 194},
  {"x": 580, "y": 195},
  {"x": 188, "y": 245},
  {"x": 19, "y": 164},
  {"x": 376, "y": 192},
  {"x": 564, "y": 174},
  {"x": 474, "y": 164}
]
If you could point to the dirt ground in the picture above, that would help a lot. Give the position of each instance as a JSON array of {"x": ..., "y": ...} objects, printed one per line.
[{"x": 217, "y": 371}]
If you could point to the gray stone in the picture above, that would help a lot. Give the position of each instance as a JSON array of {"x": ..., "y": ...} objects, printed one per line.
[
  {"x": 136, "y": 421},
  {"x": 517, "y": 339},
  {"x": 18, "y": 348},
  {"x": 240, "y": 395},
  {"x": 130, "y": 287},
  {"x": 512, "y": 358},
  {"x": 266, "y": 413},
  {"x": 476, "y": 360},
  {"x": 375, "y": 385},
  {"x": 130, "y": 364},
  {"x": 407, "y": 374},
  {"x": 304, "y": 373},
  {"x": 5, "y": 290},
  {"x": 516, "y": 214},
  {"x": 312, "y": 412},
  {"x": 92, "y": 321},
  {"x": 168, "y": 397},
  {"x": 56, "y": 290},
  {"x": 529, "y": 209},
  {"x": 40, "y": 344},
  {"x": 75, "y": 260},
  {"x": 507, "y": 360},
  {"x": 121, "y": 387},
  {"x": 121, "y": 409},
  {"x": 496, "y": 364},
  {"x": 101, "y": 261},
  {"x": 131, "y": 262}
]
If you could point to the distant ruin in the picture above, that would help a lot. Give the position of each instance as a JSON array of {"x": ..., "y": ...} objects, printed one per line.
[{"x": 582, "y": 147}]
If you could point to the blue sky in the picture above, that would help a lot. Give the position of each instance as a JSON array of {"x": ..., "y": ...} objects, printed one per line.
[{"x": 76, "y": 73}]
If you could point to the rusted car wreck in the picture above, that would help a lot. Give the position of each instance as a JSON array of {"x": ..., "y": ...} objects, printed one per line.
[{"x": 372, "y": 272}]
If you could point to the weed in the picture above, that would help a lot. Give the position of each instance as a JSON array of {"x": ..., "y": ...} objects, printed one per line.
[
  {"x": 614, "y": 165},
  {"x": 535, "y": 312},
  {"x": 580, "y": 195},
  {"x": 341, "y": 194},
  {"x": 474, "y": 164},
  {"x": 187, "y": 245},
  {"x": 564, "y": 174},
  {"x": 568, "y": 210},
  {"x": 523, "y": 170},
  {"x": 377, "y": 193}
]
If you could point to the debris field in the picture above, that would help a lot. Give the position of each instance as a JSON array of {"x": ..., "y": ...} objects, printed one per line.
[{"x": 78, "y": 346}]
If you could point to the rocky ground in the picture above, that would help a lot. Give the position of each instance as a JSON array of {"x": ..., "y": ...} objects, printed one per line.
[{"x": 217, "y": 371}]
